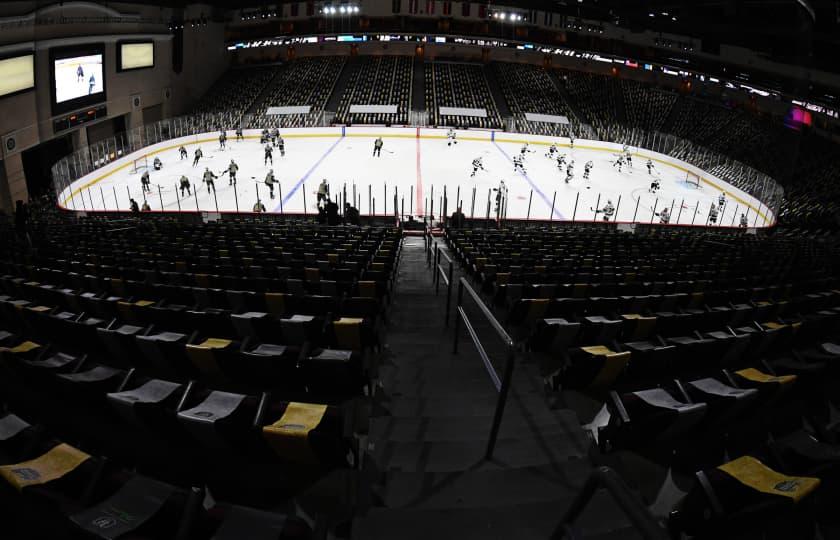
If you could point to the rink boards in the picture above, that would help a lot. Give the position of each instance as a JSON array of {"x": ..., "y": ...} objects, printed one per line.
[{"x": 417, "y": 161}]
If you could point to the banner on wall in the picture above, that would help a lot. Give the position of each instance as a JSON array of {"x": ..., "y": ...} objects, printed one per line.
[
  {"x": 282, "y": 111},
  {"x": 547, "y": 118},
  {"x": 373, "y": 109},
  {"x": 462, "y": 111}
]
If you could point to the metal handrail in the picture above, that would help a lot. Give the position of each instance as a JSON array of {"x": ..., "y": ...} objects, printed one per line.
[
  {"x": 636, "y": 512},
  {"x": 502, "y": 384}
]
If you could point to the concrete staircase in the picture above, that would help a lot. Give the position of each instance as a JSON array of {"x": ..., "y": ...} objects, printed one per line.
[{"x": 425, "y": 463}]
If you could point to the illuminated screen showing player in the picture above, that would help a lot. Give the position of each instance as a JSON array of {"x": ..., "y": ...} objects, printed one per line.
[{"x": 77, "y": 77}]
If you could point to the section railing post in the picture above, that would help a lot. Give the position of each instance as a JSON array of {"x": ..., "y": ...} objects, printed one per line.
[
  {"x": 458, "y": 316},
  {"x": 448, "y": 296},
  {"x": 501, "y": 402}
]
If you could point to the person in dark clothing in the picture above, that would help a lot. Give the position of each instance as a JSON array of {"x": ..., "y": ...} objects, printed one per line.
[
  {"x": 351, "y": 214},
  {"x": 332, "y": 212},
  {"x": 134, "y": 207}
]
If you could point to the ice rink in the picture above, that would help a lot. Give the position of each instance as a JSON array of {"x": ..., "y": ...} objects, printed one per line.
[{"x": 417, "y": 165}]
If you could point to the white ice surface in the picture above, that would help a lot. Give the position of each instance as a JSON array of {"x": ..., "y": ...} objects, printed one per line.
[{"x": 418, "y": 168}]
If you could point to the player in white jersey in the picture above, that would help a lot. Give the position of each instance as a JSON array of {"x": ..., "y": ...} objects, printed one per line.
[
  {"x": 477, "y": 165},
  {"x": 587, "y": 168},
  {"x": 451, "y": 138}
]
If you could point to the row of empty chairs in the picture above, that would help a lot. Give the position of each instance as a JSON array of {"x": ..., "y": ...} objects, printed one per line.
[
  {"x": 303, "y": 82},
  {"x": 377, "y": 80},
  {"x": 459, "y": 85}
]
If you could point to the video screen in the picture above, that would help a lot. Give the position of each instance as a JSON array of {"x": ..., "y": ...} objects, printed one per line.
[
  {"x": 78, "y": 77},
  {"x": 17, "y": 74},
  {"x": 136, "y": 55}
]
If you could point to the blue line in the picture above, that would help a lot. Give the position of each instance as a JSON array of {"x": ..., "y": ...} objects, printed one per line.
[
  {"x": 300, "y": 182},
  {"x": 533, "y": 185}
]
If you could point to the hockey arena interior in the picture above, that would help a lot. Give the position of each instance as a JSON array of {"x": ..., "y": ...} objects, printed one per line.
[{"x": 420, "y": 269}]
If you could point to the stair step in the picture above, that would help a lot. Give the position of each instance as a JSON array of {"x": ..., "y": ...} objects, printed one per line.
[
  {"x": 453, "y": 456},
  {"x": 479, "y": 488},
  {"x": 389, "y": 428},
  {"x": 536, "y": 521}
]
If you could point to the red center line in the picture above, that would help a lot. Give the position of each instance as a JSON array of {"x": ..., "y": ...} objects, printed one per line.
[{"x": 419, "y": 188}]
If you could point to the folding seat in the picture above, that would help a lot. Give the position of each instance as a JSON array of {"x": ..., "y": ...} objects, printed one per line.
[
  {"x": 61, "y": 468},
  {"x": 593, "y": 369},
  {"x": 140, "y": 508},
  {"x": 148, "y": 404},
  {"x": 734, "y": 347},
  {"x": 211, "y": 321},
  {"x": 744, "y": 496},
  {"x": 599, "y": 330},
  {"x": 18, "y": 438},
  {"x": 308, "y": 433},
  {"x": 268, "y": 367},
  {"x": 550, "y": 341},
  {"x": 653, "y": 420},
  {"x": 164, "y": 354},
  {"x": 213, "y": 358},
  {"x": 725, "y": 404},
  {"x": 120, "y": 346},
  {"x": 221, "y": 421},
  {"x": 637, "y": 327},
  {"x": 651, "y": 359},
  {"x": 316, "y": 305}
]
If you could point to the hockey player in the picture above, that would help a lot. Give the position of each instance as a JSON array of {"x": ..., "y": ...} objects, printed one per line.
[
  {"x": 80, "y": 73},
  {"x": 654, "y": 185},
  {"x": 264, "y": 136},
  {"x": 197, "y": 156},
  {"x": 377, "y": 147},
  {"x": 259, "y": 207},
  {"x": 157, "y": 164},
  {"x": 561, "y": 161},
  {"x": 145, "y": 182},
  {"x": 526, "y": 149},
  {"x": 222, "y": 140},
  {"x": 145, "y": 207},
  {"x": 664, "y": 216},
  {"x": 722, "y": 201},
  {"x": 713, "y": 215},
  {"x": 270, "y": 181},
  {"x": 518, "y": 164},
  {"x": 133, "y": 206},
  {"x": 608, "y": 210},
  {"x": 275, "y": 134},
  {"x": 587, "y": 168},
  {"x": 743, "y": 222},
  {"x": 649, "y": 166},
  {"x": 91, "y": 83},
  {"x": 619, "y": 162},
  {"x": 185, "y": 185},
  {"x": 570, "y": 174},
  {"x": 323, "y": 192},
  {"x": 183, "y": 152},
  {"x": 552, "y": 151},
  {"x": 450, "y": 137},
  {"x": 209, "y": 179},
  {"x": 239, "y": 136},
  {"x": 572, "y": 141},
  {"x": 628, "y": 157},
  {"x": 477, "y": 164},
  {"x": 281, "y": 145},
  {"x": 268, "y": 157},
  {"x": 232, "y": 170}
]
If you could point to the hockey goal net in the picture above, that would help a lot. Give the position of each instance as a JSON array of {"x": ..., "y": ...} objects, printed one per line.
[
  {"x": 139, "y": 164},
  {"x": 692, "y": 180}
]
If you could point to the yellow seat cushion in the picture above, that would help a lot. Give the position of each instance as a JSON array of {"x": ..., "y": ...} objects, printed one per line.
[
  {"x": 289, "y": 436},
  {"x": 56, "y": 463},
  {"x": 755, "y": 375},
  {"x": 756, "y": 475}
]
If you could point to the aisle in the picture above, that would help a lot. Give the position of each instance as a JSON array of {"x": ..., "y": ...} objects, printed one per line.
[{"x": 426, "y": 446}]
